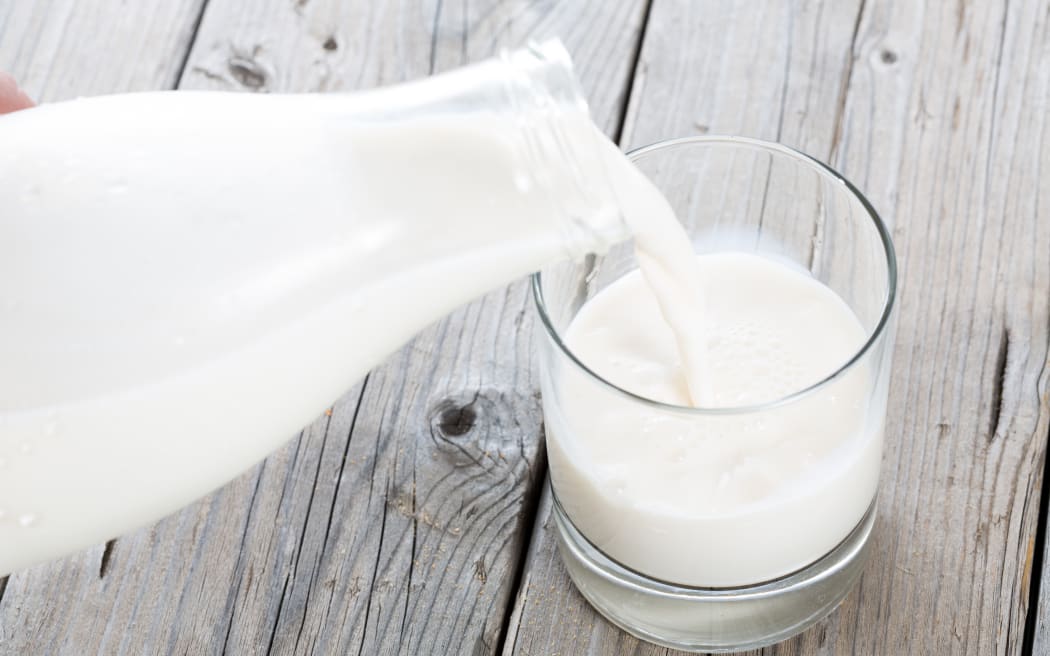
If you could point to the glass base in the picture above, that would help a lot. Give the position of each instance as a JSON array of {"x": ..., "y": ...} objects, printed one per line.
[{"x": 713, "y": 619}]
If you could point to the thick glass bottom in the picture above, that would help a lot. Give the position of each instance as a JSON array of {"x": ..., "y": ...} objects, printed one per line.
[{"x": 713, "y": 619}]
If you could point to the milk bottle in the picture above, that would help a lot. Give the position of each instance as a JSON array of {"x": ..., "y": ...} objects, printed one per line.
[{"x": 186, "y": 279}]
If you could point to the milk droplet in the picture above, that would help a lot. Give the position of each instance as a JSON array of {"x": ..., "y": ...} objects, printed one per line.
[
  {"x": 3, "y": 463},
  {"x": 50, "y": 428},
  {"x": 3, "y": 514},
  {"x": 27, "y": 520},
  {"x": 179, "y": 340},
  {"x": 25, "y": 447}
]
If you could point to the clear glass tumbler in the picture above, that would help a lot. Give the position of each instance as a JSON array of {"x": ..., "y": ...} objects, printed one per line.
[{"x": 780, "y": 562}]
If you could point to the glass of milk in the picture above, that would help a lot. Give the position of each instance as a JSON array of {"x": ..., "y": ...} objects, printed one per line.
[{"x": 739, "y": 520}]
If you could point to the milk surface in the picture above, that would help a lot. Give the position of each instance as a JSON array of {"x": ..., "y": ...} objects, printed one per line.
[{"x": 715, "y": 500}]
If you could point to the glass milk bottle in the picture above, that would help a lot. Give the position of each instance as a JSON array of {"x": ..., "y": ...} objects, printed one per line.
[{"x": 188, "y": 278}]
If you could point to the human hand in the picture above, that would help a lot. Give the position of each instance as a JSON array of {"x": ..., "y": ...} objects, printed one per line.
[{"x": 11, "y": 97}]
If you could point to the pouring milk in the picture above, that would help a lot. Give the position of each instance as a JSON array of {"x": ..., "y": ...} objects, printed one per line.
[{"x": 188, "y": 278}]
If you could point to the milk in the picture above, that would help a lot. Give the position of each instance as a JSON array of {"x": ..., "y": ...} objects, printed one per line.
[
  {"x": 666, "y": 260},
  {"x": 727, "y": 499}
]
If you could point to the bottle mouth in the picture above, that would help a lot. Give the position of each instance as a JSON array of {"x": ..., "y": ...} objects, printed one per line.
[
  {"x": 561, "y": 146},
  {"x": 549, "y": 64},
  {"x": 872, "y": 337}
]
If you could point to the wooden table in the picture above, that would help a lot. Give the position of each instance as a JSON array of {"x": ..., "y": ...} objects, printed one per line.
[{"x": 411, "y": 518}]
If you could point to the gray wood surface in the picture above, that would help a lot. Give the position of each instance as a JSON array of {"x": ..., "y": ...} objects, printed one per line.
[
  {"x": 399, "y": 522},
  {"x": 64, "y": 48},
  {"x": 939, "y": 114}
]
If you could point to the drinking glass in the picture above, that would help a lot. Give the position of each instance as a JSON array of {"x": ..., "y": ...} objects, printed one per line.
[{"x": 774, "y": 566}]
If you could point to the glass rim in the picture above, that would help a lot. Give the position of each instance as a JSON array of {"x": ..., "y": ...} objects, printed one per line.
[{"x": 799, "y": 156}]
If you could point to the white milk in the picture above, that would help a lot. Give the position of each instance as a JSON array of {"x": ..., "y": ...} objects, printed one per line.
[
  {"x": 667, "y": 261},
  {"x": 187, "y": 279},
  {"x": 715, "y": 500}
]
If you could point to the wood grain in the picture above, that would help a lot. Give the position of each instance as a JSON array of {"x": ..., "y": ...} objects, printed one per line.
[
  {"x": 65, "y": 48},
  {"x": 419, "y": 552},
  {"x": 972, "y": 351},
  {"x": 398, "y": 522},
  {"x": 938, "y": 113}
]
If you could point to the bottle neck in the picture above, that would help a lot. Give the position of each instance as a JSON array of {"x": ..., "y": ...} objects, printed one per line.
[
  {"x": 559, "y": 156},
  {"x": 563, "y": 153}
]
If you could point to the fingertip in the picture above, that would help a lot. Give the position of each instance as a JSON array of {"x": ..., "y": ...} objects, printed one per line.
[{"x": 11, "y": 97}]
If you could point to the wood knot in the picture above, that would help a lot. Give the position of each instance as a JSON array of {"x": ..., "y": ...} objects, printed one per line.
[
  {"x": 888, "y": 57},
  {"x": 248, "y": 72},
  {"x": 454, "y": 419},
  {"x": 489, "y": 428},
  {"x": 330, "y": 44}
]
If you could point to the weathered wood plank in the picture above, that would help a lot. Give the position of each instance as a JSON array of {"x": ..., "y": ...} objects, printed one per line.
[
  {"x": 65, "y": 48},
  {"x": 939, "y": 117},
  {"x": 964, "y": 477},
  {"x": 451, "y": 426},
  {"x": 1026, "y": 49},
  {"x": 397, "y": 523}
]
